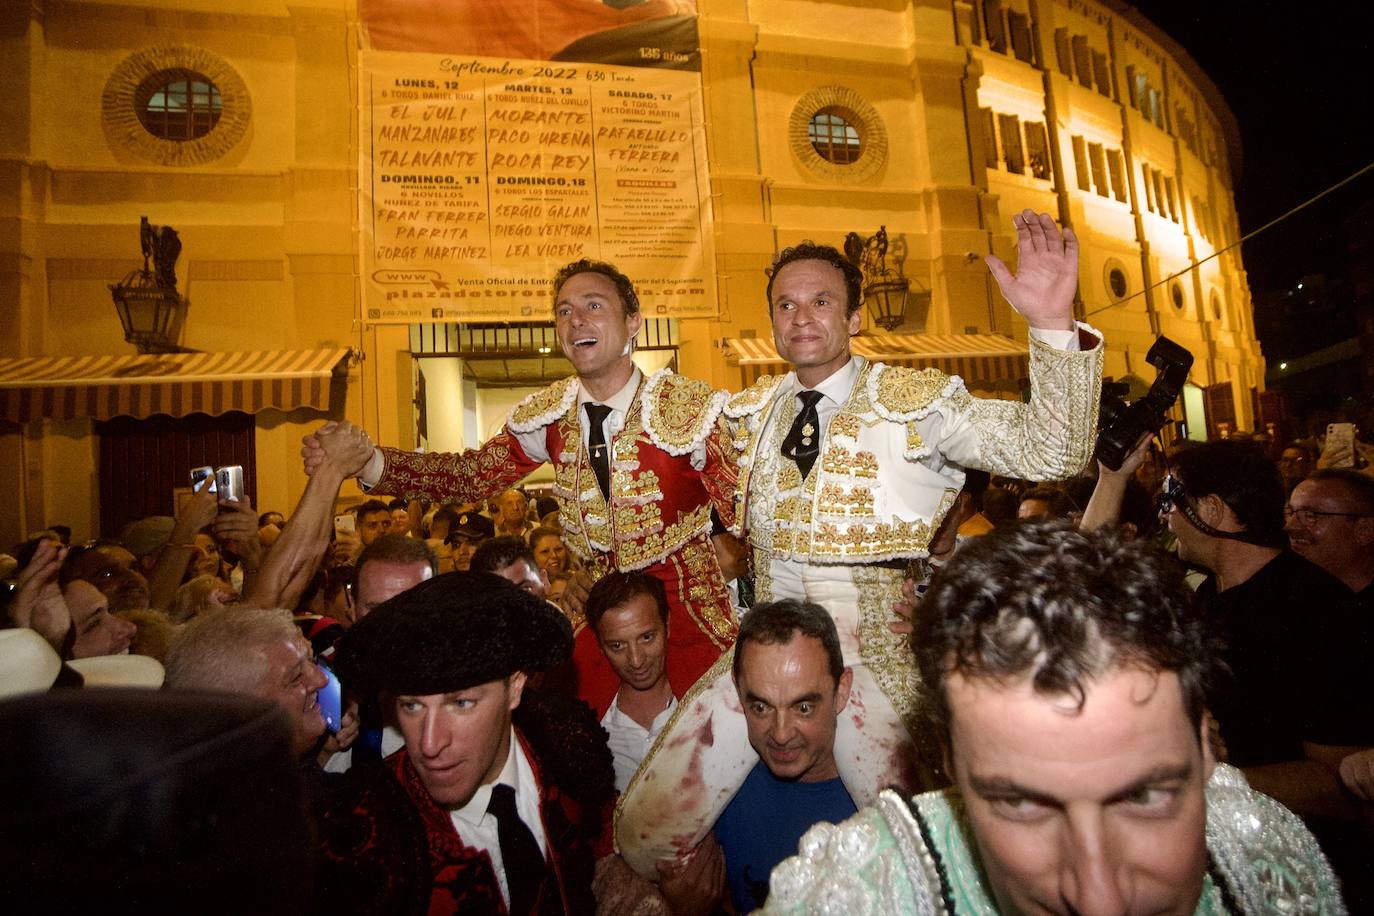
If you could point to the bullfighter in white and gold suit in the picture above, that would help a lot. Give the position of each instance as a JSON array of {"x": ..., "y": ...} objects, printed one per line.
[{"x": 847, "y": 468}]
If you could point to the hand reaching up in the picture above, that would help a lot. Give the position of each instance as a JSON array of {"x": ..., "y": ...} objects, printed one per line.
[
  {"x": 38, "y": 602},
  {"x": 1046, "y": 275},
  {"x": 342, "y": 446}
]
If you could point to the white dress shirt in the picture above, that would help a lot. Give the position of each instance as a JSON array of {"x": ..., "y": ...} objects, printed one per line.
[
  {"x": 630, "y": 741},
  {"x": 478, "y": 829}
]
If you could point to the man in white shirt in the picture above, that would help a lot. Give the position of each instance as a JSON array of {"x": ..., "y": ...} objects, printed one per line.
[
  {"x": 496, "y": 802},
  {"x": 629, "y": 614},
  {"x": 847, "y": 470}
]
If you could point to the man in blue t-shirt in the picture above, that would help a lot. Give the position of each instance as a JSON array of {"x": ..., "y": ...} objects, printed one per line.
[{"x": 793, "y": 685}]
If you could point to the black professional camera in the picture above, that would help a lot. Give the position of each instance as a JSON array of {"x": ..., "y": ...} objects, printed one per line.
[{"x": 1120, "y": 425}]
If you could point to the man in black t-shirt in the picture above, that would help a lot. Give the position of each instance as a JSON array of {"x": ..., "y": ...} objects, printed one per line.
[
  {"x": 1301, "y": 694},
  {"x": 1290, "y": 626}
]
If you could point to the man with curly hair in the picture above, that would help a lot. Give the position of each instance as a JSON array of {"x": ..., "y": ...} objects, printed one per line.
[
  {"x": 638, "y": 464},
  {"x": 496, "y": 803},
  {"x": 1070, "y": 676}
]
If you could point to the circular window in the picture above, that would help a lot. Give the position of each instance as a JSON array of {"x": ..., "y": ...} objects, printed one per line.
[
  {"x": 837, "y": 135},
  {"x": 1116, "y": 279},
  {"x": 1176, "y": 295},
  {"x": 178, "y": 105},
  {"x": 175, "y": 105},
  {"x": 834, "y": 137},
  {"x": 1116, "y": 282}
]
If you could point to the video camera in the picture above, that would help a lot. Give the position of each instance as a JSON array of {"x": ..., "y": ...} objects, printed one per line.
[{"x": 1120, "y": 425}]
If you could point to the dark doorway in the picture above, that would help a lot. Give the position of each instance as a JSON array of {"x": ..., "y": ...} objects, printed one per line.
[{"x": 143, "y": 461}]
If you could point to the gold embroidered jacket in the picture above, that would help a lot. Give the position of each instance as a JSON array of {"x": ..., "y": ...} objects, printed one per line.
[
  {"x": 892, "y": 459},
  {"x": 659, "y": 501}
]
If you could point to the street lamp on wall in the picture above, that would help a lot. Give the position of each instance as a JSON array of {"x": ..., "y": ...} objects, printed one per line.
[
  {"x": 149, "y": 306},
  {"x": 887, "y": 291}
]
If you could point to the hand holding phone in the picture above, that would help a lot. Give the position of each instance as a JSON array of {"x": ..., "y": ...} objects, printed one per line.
[
  {"x": 1340, "y": 445},
  {"x": 229, "y": 482},
  {"x": 200, "y": 475}
]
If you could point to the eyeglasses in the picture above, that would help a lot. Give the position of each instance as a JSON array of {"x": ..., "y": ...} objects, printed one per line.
[
  {"x": 1171, "y": 494},
  {"x": 1308, "y": 516}
]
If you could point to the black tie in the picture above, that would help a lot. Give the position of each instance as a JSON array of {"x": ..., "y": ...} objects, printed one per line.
[
  {"x": 596, "y": 444},
  {"x": 803, "y": 442},
  {"x": 526, "y": 870}
]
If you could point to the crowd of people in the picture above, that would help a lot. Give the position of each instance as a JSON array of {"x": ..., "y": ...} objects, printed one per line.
[{"x": 850, "y": 640}]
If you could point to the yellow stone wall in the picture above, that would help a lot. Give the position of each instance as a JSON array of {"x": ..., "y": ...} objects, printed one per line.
[{"x": 269, "y": 228}]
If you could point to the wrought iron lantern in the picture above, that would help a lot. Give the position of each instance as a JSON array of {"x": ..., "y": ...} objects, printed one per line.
[
  {"x": 885, "y": 290},
  {"x": 150, "y": 308}
]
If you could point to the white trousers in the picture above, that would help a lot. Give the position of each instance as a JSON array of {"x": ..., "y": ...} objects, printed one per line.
[{"x": 703, "y": 755}]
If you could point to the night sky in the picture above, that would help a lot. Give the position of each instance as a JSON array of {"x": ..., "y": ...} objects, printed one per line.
[{"x": 1299, "y": 77}]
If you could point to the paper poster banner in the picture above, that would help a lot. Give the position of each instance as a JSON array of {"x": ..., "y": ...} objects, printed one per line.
[
  {"x": 482, "y": 176},
  {"x": 632, "y": 33}
]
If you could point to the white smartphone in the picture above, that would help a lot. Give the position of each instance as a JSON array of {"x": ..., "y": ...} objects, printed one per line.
[
  {"x": 345, "y": 525},
  {"x": 1340, "y": 438},
  {"x": 229, "y": 481}
]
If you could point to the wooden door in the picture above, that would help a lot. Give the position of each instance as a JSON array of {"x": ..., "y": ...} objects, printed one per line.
[{"x": 143, "y": 461}]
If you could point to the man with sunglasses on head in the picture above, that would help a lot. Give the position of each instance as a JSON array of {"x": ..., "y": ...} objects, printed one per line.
[{"x": 1299, "y": 697}]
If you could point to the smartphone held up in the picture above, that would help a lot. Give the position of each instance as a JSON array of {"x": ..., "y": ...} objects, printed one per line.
[{"x": 226, "y": 482}]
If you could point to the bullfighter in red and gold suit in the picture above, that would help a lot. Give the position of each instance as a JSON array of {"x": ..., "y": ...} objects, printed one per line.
[{"x": 666, "y": 458}]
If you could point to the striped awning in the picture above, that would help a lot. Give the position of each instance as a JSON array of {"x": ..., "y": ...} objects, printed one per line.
[
  {"x": 177, "y": 384},
  {"x": 987, "y": 363}
]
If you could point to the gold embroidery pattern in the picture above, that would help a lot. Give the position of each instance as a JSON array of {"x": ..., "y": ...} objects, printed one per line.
[
  {"x": 582, "y": 509},
  {"x": 637, "y": 489},
  {"x": 1052, "y": 437},
  {"x": 708, "y": 600},
  {"x": 753, "y": 398},
  {"x": 543, "y": 407},
  {"x": 845, "y": 426},
  {"x": 658, "y": 545},
  {"x": 636, "y": 521},
  {"x": 763, "y": 575},
  {"x": 900, "y": 394},
  {"x": 835, "y": 501},
  {"x": 915, "y": 444},
  {"x": 679, "y": 411},
  {"x": 863, "y": 465},
  {"x": 890, "y": 659}
]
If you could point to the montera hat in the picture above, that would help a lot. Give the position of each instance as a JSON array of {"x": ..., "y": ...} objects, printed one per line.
[{"x": 450, "y": 633}]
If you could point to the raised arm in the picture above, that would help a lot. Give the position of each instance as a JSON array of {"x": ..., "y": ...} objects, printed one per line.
[
  {"x": 469, "y": 476},
  {"x": 165, "y": 577},
  {"x": 1104, "y": 508},
  {"x": 298, "y": 552},
  {"x": 1052, "y": 437}
]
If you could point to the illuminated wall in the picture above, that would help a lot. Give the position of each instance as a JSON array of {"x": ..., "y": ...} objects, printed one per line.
[
  {"x": 964, "y": 113},
  {"x": 968, "y": 112}
]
